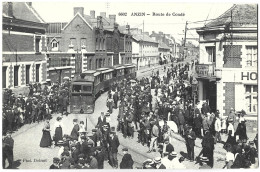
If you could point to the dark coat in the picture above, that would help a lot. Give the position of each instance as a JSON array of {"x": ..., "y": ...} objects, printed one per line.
[
  {"x": 169, "y": 148},
  {"x": 127, "y": 162},
  {"x": 190, "y": 141},
  {"x": 113, "y": 144},
  {"x": 100, "y": 159},
  {"x": 100, "y": 123},
  {"x": 74, "y": 133}
]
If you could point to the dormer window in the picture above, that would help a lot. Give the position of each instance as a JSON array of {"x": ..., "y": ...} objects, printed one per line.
[{"x": 54, "y": 45}]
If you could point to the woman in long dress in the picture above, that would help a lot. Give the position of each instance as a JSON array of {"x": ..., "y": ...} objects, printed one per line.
[
  {"x": 46, "y": 136},
  {"x": 58, "y": 130}
]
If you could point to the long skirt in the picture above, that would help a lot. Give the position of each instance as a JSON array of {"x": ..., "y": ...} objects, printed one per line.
[
  {"x": 58, "y": 134},
  {"x": 46, "y": 139}
]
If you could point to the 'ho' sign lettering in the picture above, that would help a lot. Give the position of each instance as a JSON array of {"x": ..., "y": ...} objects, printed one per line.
[{"x": 248, "y": 75}]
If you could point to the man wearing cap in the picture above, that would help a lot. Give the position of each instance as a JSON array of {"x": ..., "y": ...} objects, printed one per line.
[
  {"x": 231, "y": 117},
  {"x": 190, "y": 142},
  {"x": 100, "y": 157},
  {"x": 127, "y": 161},
  {"x": 55, "y": 164},
  {"x": 154, "y": 136},
  {"x": 75, "y": 131},
  {"x": 7, "y": 148},
  {"x": 158, "y": 163},
  {"x": 113, "y": 148}
]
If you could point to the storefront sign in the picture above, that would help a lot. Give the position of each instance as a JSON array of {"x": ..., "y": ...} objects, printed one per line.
[
  {"x": 248, "y": 76},
  {"x": 204, "y": 70}
]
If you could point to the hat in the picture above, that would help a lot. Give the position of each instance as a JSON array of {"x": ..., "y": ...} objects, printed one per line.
[
  {"x": 75, "y": 120},
  {"x": 239, "y": 141},
  {"x": 251, "y": 142},
  {"x": 82, "y": 130},
  {"x": 174, "y": 154},
  {"x": 157, "y": 160},
  {"x": 105, "y": 126},
  {"x": 125, "y": 149},
  {"x": 73, "y": 145},
  {"x": 94, "y": 130},
  {"x": 113, "y": 129},
  {"x": 59, "y": 117},
  {"x": 204, "y": 159},
  {"x": 60, "y": 142},
  {"x": 81, "y": 155},
  {"x": 55, "y": 160},
  {"x": 81, "y": 161},
  {"x": 49, "y": 117},
  {"x": 167, "y": 139},
  {"x": 107, "y": 114}
]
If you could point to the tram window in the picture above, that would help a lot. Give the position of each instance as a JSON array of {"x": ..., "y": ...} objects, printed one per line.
[
  {"x": 76, "y": 88},
  {"x": 86, "y": 88}
]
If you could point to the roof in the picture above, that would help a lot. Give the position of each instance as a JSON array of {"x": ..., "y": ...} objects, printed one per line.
[
  {"x": 143, "y": 37},
  {"x": 163, "y": 45},
  {"x": 84, "y": 19},
  {"x": 242, "y": 14},
  {"x": 22, "y": 11}
]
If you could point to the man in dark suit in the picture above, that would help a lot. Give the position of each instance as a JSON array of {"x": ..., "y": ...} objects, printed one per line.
[
  {"x": 7, "y": 148},
  {"x": 75, "y": 131},
  {"x": 100, "y": 157},
  {"x": 127, "y": 161},
  {"x": 101, "y": 120},
  {"x": 113, "y": 148},
  {"x": 190, "y": 142}
]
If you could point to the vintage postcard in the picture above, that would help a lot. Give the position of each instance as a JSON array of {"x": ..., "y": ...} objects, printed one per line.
[{"x": 129, "y": 85}]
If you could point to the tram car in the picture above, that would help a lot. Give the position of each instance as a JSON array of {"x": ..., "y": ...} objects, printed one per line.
[{"x": 90, "y": 84}]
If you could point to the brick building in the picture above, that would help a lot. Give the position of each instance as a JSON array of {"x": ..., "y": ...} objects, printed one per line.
[
  {"x": 24, "y": 45},
  {"x": 87, "y": 42},
  {"x": 227, "y": 70}
]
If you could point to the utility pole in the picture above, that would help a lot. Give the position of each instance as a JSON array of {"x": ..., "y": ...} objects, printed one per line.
[{"x": 184, "y": 51}]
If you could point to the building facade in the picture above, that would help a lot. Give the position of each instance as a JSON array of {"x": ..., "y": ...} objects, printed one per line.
[
  {"x": 227, "y": 70},
  {"x": 24, "y": 45},
  {"x": 144, "y": 49},
  {"x": 87, "y": 42}
]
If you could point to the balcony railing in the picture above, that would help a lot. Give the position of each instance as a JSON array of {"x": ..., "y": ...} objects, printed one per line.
[{"x": 205, "y": 70}]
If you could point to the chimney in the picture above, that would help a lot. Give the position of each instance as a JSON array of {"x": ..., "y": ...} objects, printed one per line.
[
  {"x": 92, "y": 14},
  {"x": 153, "y": 32},
  {"x": 29, "y": 4},
  {"x": 103, "y": 14},
  {"x": 112, "y": 19},
  {"x": 79, "y": 10},
  {"x": 10, "y": 9},
  {"x": 127, "y": 29}
]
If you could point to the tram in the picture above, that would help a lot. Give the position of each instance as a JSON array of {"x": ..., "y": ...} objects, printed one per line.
[{"x": 90, "y": 84}]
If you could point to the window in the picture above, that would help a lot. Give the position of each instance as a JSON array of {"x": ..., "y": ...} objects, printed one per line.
[
  {"x": 4, "y": 76},
  {"x": 54, "y": 45},
  {"x": 16, "y": 72},
  {"x": 211, "y": 54},
  {"x": 251, "y": 56},
  {"x": 83, "y": 42},
  {"x": 76, "y": 88},
  {"x": 27, "y": 74},
  {"x": 73, "y": 42},
  {"x": 87, "y": 88},
  {"x": 37, "y": 72},
  {"x": 97, "y": 44},
  {"x": 90, "y": 64},
  {"x": 251, "y": 98},
  {"x": 37, "y": 44}
]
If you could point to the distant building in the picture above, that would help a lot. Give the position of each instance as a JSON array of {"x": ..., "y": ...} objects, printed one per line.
[
  {"x": 24, "y": 45},
  {"x": 86, "y": 42},
  {"x": 144, "y": 49},
  {"x": 227, "y": 70}
]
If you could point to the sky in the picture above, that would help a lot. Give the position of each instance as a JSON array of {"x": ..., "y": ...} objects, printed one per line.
[{"x": 60, "y": 11}]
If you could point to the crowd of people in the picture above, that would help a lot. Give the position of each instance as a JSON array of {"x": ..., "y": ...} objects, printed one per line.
[
  {"x": 155, "y": 108},
  {"x": 41, "y": 101}
]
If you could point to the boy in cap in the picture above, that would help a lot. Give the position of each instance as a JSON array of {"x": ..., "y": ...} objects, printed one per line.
[
  {"x": 55, "y": 164},
  {"x": 113, "y": 147},
  {"x": 127, "y": 161}
]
